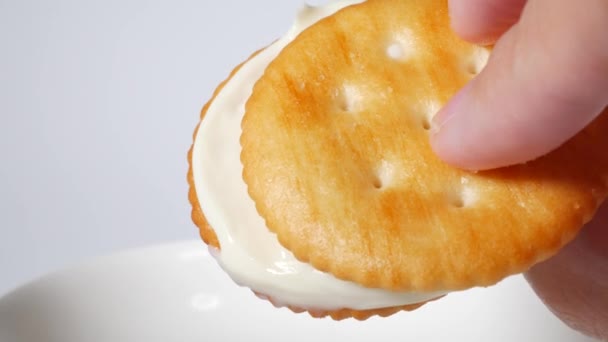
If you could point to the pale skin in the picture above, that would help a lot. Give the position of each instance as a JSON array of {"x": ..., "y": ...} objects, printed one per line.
[{"x": 546, "y": 80}]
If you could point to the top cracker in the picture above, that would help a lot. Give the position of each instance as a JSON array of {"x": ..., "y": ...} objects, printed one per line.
[{"x": 336, "y": 156}]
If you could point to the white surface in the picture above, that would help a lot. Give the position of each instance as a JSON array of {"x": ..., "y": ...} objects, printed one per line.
[
  {"x": 177, "y": 293},
  {"x": 98, "y": 102}
]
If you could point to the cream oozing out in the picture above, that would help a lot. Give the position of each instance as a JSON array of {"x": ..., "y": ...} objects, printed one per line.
[{"x": 250, "y": 253}]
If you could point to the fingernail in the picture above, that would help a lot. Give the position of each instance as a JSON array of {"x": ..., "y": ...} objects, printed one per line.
[{"x": 449, "y": 110}]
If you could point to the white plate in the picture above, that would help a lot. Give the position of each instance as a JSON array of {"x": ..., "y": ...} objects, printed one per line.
[{"x": 176, "y": 292}]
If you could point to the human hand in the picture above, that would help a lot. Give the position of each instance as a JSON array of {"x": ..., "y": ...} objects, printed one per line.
[{"x": 546, "y": 80}]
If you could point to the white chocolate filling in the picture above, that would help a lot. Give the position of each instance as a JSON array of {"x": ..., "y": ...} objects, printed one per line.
[{"x": 250, "y": 253}]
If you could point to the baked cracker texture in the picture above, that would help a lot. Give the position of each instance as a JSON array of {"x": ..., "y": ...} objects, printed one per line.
[
  {"x": 210, "y": 238},
  {"x": 336, "y": 156}
]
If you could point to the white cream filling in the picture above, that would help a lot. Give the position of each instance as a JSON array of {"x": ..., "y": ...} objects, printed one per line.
[{"x": 250, "y": 253}]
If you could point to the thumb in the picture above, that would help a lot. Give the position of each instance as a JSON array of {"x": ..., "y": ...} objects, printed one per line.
[{"x": 547, "y": 78}]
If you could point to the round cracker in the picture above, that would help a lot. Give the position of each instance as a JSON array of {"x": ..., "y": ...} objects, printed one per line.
[
  {"x": 209, "y": 236},
  {"x": 336, "y": 155}
]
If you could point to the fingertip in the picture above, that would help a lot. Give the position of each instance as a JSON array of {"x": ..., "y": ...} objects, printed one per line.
[
  {"x": 449, "y": 146},
  {"x": 522, "y": 105},
  {"x": 457, "y": 130},
  {"x": 465, "y": 28},
  {"x": 445, "y": 141},
  {"x": 459, "y": 20},
  {"x": 483, "y": 21},
  {"x": 442, "y": 144}
]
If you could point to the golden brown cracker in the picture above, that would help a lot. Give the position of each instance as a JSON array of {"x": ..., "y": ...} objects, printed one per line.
[
  {"x": 336, "y": 155},
  {"x": 210, "y": 238}
]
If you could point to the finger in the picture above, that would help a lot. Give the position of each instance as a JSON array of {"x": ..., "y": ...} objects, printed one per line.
[
  {"x": 545, "y": 81},
  {"x": 483, "y": 21},
  {"x": 574, "y": 284}
]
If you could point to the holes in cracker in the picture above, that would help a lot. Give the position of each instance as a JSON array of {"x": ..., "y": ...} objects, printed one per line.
[
  {"x": 383, "y": 175},
  {"x": 477, "y": 61},
  {"x": 348, "y": 98},
  {"x": 401, "y": 47},
  {"x": 455, "y": 199},
  {"x": 462, "y": 196},
  {"x": 430, "y": 109},
  {"x": 426, "y": 124},
  {"x": 395, "y": 51},
  {"x": 377, "y": 183}
]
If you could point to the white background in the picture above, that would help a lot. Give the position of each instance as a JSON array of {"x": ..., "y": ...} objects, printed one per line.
[{"x": 98, "y": 102}]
